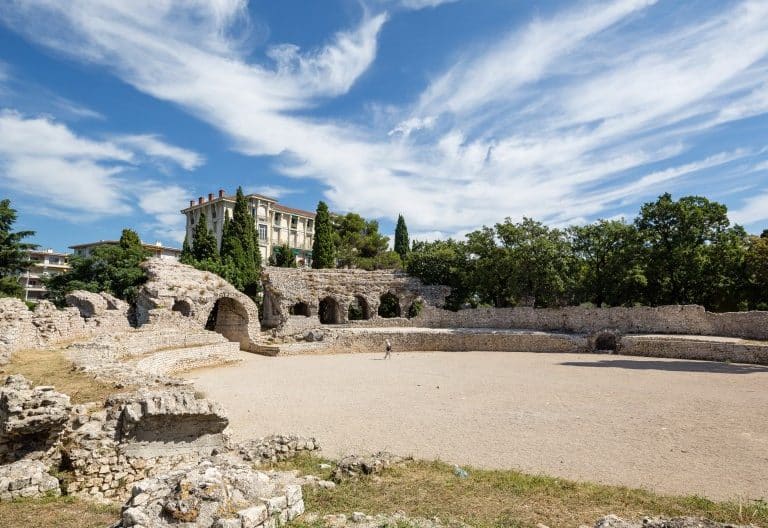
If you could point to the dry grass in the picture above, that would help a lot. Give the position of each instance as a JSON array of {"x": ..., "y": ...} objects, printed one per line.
[
  {"x": 61, "y": 512},
  {"x": 506, "y": 498},
  {"x": 51, "y": 367}
]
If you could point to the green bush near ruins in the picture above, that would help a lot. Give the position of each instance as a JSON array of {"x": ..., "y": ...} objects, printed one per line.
[{"x": 112, "y": 268}]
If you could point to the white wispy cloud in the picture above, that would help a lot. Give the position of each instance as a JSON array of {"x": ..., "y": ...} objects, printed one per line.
[
  {"x": 541, "y": 122},
  {"x": 80, "y": 177},
  {"x": 152, "y": 146}
]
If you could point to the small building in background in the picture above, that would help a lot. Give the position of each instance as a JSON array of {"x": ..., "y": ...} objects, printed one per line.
[
  {"x": 275, "y": 223},
  {"x": 45, "y": 263},
  {"x": 157, "y": 250}
]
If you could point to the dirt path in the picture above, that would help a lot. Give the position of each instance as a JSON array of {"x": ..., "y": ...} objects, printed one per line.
[{"x": 683, "y": 427}]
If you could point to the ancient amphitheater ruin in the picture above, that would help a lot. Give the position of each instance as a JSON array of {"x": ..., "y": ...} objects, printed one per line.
[{"x": 163, "y": 450}]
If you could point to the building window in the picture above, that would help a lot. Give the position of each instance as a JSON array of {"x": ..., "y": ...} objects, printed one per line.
[
  {"x": 277, "y": 218},
  {"x": 309, "y": 225},
  {"x": 213, "y": 212},
  {"x": 294, "y": 222},
  {"x": 253, "y": 212},
  {"x": 262, "y": 232}
]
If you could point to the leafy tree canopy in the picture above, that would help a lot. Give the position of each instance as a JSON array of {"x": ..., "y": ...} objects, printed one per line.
[
  {"x": 113, "y": 268},
  {"x": 14, "y": 256}
]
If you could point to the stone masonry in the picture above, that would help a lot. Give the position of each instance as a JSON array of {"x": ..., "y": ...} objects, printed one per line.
[
  {"x": 204, "y": 298},
  {"x": 288, "y": 291},
  {"x": 32, "y": 420}
]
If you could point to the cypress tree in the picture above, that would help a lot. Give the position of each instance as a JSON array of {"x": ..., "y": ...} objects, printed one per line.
[
  {"x": 186, "y": 252},
  {"x": 402, "y": 245},
  {"x": 130, "y": 239},
  {"x": 240, "y": 246},
  {"x": 323, "y": 249},
  {"x": 204, "y": 242}
]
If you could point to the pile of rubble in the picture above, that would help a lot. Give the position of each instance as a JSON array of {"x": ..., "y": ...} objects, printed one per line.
[
  {"x": 220, "y": 495},
  {"x": 354, "y": 466},
  {"x": 277, "y": 448}
]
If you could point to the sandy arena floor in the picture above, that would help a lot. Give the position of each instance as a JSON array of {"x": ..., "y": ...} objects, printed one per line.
[{"x": 673, "y": 426}]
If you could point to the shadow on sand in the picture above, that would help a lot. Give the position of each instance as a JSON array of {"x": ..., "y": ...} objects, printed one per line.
[{"x": 672, "y": 366}]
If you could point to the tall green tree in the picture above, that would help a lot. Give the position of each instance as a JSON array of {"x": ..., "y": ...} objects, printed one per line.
[
  {"x": 240, "y": 247},
  {"x": 204, "y": 242},
  {"x": 114, "y": 268},
  {"x": 359, "y": 244},
  {"x": 538, "y": 264},
  {"x": 756, "y": 264},
  {"x": 610, "y": 267},
  {"x": 445, "y": 262},
  {"x": 402, "y": 244},
  {"x": 14, "y": 256},
  {"x": 323, "y": 250},
  {"x": 676, "y": 236},
  {"x": 186, "y": 252}
]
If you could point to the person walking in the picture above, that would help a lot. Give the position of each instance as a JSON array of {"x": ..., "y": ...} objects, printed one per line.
[{"x": 388, "y": 345}]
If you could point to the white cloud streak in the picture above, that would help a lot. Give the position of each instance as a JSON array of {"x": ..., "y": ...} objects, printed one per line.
[
  {"x": 87, "y": 178},
  {"x": 542, "y": 122}
]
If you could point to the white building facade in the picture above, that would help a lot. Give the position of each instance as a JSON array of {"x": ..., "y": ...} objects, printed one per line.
[
  {"x": 46, "y": 263},
  {"x": 156, "y": 250},
  {"x": 276, "y": 223}
]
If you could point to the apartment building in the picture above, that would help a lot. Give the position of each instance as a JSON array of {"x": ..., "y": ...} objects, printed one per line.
[
  {"x": 45, "y": 263},
  {"x": 276, "y": 223},
  {"x": 156, "y": 250}
]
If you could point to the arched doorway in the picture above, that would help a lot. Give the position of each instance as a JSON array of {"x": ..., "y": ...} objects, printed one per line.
[
  {"x": 229, "y": 318},
  {"x": 329, "y": 312},
  {"x": 183, "y": 307},
  {"x": 359, "y": 309},
  {"x": 300, "y": 308},
  {"x": 389, "y": 305}
]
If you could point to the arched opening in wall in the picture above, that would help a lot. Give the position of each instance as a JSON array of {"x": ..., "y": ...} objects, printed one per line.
[
  {"x": 329, "y": 312},
  {"x": 607, "y": 341},
  {"x": 389, "y": 305},
  {"x": 359, "y": 309},
  {"x": 300, "y": 308},
  {"x": 229, "y": 318},
  {"x": 183, "y": 307}
]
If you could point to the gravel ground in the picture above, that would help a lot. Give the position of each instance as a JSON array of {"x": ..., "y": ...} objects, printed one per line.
[{"x": 672, "y": 426}]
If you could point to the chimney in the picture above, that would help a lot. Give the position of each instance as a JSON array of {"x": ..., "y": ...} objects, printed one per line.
[
  {"x": 210, "y": 197},
  {"x": 200, "y": 200},
  {"x": 191, "y": 203},
  {"x": 221, "y": 193}
]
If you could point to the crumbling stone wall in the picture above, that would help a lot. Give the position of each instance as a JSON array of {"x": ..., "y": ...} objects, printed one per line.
[
  {"x": 289, "y": 290},
  {"x": 32, "y": 420},
  {"x": 137, "y": 436},
  {"x": 174, "y": 289},
  {"x": 89, "y": 314}
]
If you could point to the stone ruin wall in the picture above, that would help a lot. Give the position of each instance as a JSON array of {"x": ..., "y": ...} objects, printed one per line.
[
  {"x": 89, "y": 314},
  {"x": 175, "y": 287},
  {"x": 677, "y": 319},
  {"x": 285, "y": 288}
]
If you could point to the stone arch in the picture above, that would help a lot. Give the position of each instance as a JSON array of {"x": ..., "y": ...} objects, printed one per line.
[
  {"x": 229, "y": 318},
  {"x": 183, "y": 307},
  {"x": 606, "y": 341},
  {"x": 300, "y": 308},
  {"x": 389, "y": 305},
  {"x": 329, "y": 311},
  {"x": 359, "y": 309}
]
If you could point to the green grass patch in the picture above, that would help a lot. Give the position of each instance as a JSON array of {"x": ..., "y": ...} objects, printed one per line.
[
  {"x": 494, "y": 498},
  {"x": 61, "y": 512}
]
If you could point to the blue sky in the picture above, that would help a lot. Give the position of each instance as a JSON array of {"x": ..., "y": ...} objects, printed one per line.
[{"x": 455, "y": 113}]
